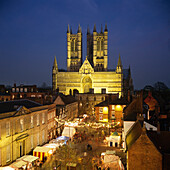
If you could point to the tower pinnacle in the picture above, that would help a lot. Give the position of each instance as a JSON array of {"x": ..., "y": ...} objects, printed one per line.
[
  {"x": 79, "y": 29},
  {"x": 105, "y": 30},
  {"x": 101, "y": 28},
  {"x": 119, "y": 64},
  {"x": 94, "y": 30},
  {"x": 68, "y": 29},
  {"x": 55, "y": 66},
  {"x": 88, "y": 30}
]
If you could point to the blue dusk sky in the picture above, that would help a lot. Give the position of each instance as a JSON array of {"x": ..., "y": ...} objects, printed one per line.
[{"x": 32, "y": 32}]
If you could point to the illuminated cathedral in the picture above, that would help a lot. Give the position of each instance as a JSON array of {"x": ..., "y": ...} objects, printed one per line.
[{"x": 92, "y": 75}]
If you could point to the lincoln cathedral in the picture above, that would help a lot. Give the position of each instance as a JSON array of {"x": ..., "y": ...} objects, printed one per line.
[{"x": 91, "y": 75}]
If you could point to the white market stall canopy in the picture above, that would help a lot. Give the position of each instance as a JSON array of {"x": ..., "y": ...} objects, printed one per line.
[
  {"x": 28, "y": 158},
  {"x": 19, "y": 164},
  {"x": 69, "y": 131},
  {"x": 6, "y": 168},
  {"x": 41, "y": 149}
]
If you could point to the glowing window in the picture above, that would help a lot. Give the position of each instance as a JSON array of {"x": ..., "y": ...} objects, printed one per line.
[
  {"x": 113, "y": 107},
  {"x": 100, "y": 117}
]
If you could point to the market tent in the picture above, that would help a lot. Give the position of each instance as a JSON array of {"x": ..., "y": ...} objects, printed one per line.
[
  {"x": 42, "y": 152},
  {"x": 69, "y": 132}
]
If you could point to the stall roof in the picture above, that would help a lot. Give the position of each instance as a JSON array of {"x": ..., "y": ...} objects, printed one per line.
[
  {"x": 51, "y": 145},
  {"x": 62, "y": 138},
  {"x": 19, "y": 164},
  {"x": 41, "y": 149},
  {"x": 28, "y": 158},
  {"x": 6, "y": 168}
]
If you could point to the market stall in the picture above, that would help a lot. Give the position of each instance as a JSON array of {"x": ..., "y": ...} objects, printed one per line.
[
  {"x": 69, "y": 132},
  {"x": 52, "y": 146},
  {"x": 19, "y": 165},
  {"x": 31, "y": 160},
  {"x": 61, "y": 140},
  {"x": 42, "y": 152},
  {"x": 114, "y": 139}
]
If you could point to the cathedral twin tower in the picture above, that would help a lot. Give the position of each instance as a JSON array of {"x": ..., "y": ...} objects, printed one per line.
[
  {"x": 92, "y": 75},
  {"x": 97, "y": 47}
]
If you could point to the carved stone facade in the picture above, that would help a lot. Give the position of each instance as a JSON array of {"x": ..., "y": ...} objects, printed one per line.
[{"x": 93, "y": 74}]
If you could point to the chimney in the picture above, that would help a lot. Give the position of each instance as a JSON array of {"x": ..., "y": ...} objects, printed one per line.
[{"x": 14, "y": 84}]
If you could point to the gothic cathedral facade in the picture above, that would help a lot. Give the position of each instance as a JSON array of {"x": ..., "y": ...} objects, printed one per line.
[{"x": 92, "y": 75}]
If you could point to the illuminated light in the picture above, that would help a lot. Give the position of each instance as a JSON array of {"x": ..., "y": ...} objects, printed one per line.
[
  {"x": 105, "y": 120},
  {"x": 105, "y": 110},
  {"x": 118, "y": 108}
]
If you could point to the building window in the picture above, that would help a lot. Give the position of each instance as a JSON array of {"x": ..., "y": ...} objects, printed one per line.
[
  {"x": 17, "y": 89},
  {"x": 21, "y": 89},
  {"x": 94, "y": 98},
  {"x": 32, "y": 121},
  {"x": 8, "y": 153},
  {"x": 113, "y": 107},
  {"x": 100, "y": 116},
  {"x": 38, "y": 138},
  {"x": 7, "y": 128},
  {"x": 13, "y": 89},
  {"x": 22, "y": 124},
  {"x": 100, "y": 109},
  {"x": 33, "y": 95},
  {"x": 32, "y": 142},
  {"x": 38, "y": 120},
  {"x": 25, "y": 89},
  {"x": 43, "y": 118}
]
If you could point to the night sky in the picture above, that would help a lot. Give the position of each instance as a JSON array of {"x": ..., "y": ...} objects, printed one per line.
[{"x": 32, "y": 32}]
